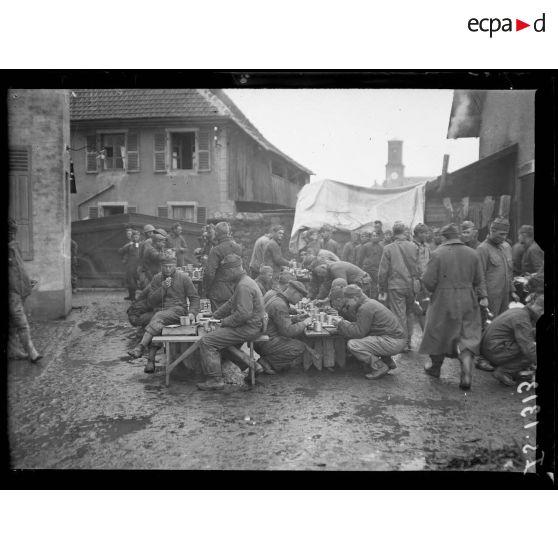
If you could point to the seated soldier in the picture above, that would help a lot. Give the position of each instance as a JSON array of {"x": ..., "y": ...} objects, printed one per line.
[
  {"x": 265, "y": 279},
  {"x": 242, "y": 320},
  {"x": 509, "y": 341},
  {"x": 174, "y": 293},
  {"x": 374, "y": 336},
  {"x": 282, "y": 282},
  {"x": 282, "y": 350},
  {"x": 338, "y": 302}
]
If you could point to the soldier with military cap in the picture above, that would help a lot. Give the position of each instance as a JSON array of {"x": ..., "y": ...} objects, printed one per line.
[
  {"x": 172, "y": 294},
  {"x": 469, "y": 234},
  {"x": 242, "y": 319},
  {"x": 219, "y": 290},
  {"x": 453, "y": 322},
  {"x": 374, "y": 336},
  {"x": 283, "y": 349},
  {"x": 496, "y": 263},
  {"x": 130, "y": 257},
  {"x": 532, "y": 259}
]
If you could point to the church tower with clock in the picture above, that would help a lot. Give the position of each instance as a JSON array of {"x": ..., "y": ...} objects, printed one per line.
[{"x": 395, "y": 170}]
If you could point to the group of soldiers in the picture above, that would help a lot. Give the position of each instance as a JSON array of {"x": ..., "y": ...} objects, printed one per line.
[{"x": 379, "y": 287}]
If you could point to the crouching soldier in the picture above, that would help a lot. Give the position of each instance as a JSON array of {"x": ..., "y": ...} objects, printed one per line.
[
  {"x": 376, "y": 334},
  {"x": 282, "y": 349},
  {"x": 242, "y": 319},
  {"x": 174, "y": 293},
  {"x": 509, "y": 341}
]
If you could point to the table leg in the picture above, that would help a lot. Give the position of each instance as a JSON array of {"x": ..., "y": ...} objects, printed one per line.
[{"x": 185, "y": 354}]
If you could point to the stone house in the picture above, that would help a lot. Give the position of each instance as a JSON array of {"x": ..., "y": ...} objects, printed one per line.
[
  {"x": 183, "y": 154},
  {"x": 39, "y": 179}
]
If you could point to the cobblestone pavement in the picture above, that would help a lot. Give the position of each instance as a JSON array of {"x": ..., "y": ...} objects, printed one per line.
[{"x": 85, "y": 405}]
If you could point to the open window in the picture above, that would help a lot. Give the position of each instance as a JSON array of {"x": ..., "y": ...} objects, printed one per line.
[{"x": 112, "y": 151}]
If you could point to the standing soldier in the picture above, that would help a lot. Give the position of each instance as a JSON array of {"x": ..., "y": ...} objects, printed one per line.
[
  {"x": 398, "y": 274},
  {"x": 219, "y": 288},
  {"x": 371, "y": 256},
  {"x": 469, "y": 234},
  {"x": 257, "y": 259},
  {"x": 130, "y": 256},
  {"x": 453, "y": 322},
  {"x": 349, "y": 250},
  {"x": 532, "y": 259},
  {"x": 423, "y": 257},
  {"x": 327, "y": 242},
  {"x": 20, "y": 286},
  {"x": 178, "y": 244},
  {"x": 272, "y": 254},
  {"x": 148, "y": 232},
  {"x": 152, "y": 256},
  {"x": 313, "y": 243},
  {"x": 496, "y": 263}
]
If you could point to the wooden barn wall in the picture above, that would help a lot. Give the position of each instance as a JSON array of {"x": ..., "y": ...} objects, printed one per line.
[{"x": 250, "y": 177}]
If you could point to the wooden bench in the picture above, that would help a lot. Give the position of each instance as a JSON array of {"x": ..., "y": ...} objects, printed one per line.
[{"x": 193, "y": 340}]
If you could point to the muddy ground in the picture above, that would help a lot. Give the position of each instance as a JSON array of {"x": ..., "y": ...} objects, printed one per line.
[{"x": 86, "y": 406}]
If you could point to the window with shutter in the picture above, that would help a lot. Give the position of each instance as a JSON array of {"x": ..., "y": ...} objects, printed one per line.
[
  {"x": 159, "y": 153},
  {"x": 19, "y": 162},
  {"x": 201, "y": 215},
  {"x": 163, "y": 211},
  {"x": 93, "y": 212},
  {"x": 91, "y": 161},
  {"x": 204, "y": 137},
  {"x": 132, "y": 153},
  {"x": 132, "y": 209}
]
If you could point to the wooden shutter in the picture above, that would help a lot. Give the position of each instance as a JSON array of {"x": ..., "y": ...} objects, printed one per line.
[
  {"x": 132, "y": 153},
  {"x": 201, "y": 216},
  {"x": 204, "y": 137},
  {"x": 159, "y": 152},
  {"x": 93, "y": 212},
  {"x": 132, "y": 209},
  {"x": 91, "y": 161},
  {"x": 163, "y": 211},
  {"x": 19, "y": 161}
]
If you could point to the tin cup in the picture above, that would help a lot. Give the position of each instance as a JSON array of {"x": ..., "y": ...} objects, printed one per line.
[
  {"x": 329, "y": 319},
  {"x": 317, "y": 326},
  {"x": 184, "y": 320},
  {"x": 322, "y": 317}
]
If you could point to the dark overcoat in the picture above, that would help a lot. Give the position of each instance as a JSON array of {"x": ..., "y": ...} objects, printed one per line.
[{"x": 454, "y": 277}]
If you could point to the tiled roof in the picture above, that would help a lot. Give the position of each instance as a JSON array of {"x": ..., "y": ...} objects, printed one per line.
[{"x": 107, "y": 104}]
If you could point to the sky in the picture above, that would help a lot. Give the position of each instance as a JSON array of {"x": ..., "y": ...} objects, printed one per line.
[{"x": 342, "y": 134}]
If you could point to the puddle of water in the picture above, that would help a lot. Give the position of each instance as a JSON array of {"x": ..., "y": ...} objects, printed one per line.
[{"x": 86, "y": 326}]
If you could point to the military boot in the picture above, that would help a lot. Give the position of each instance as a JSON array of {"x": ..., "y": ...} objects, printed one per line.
[
  {"x": 466, "y": 360},
  {"x": 212, "y": 384},
  {"x": 378, "y": 368},
  {"x": 434, "y": 369},
  {"x": 32, "y": 353}
]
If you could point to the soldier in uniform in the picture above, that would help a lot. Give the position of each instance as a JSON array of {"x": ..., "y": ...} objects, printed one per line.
[
  {"x": 172, "y": 294},
  {"x": 130, "y": 257},
  {"x": 265, "y": 279},
  {"x": 374, "y": 336},
  {"x": 219, "y": 289},
  {"x": 349, "y": 249},
  {"x": 325, "y": 273},
  {"x": 508, "y": 343},
  {"x": 327, "y": 242},
  {"x": 273, "y": 256},
  {"x": 453, "y": 321},
  {"x": 282, "y": 349},
  {"x": 496, "y": 263},
  {"x": 242, "y": 319},
  {"x": 20, "y": 286}
]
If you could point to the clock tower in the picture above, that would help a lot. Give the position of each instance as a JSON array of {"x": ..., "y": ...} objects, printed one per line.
[{"x": 395, "y": 170}]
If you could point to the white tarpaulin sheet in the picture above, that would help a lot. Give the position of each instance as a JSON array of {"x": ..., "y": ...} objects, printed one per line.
[{"x": 347, "y": 207}]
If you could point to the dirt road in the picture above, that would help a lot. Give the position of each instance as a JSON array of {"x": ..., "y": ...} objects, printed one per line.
[{"x": 86, "y": 406}]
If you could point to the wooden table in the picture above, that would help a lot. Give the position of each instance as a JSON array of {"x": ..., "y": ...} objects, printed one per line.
[
  {"x": 167, "y": 341},
  {"x": 329, "y": 349}
]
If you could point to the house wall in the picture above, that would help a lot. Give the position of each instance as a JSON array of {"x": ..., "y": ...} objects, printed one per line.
[
  {"x": 40, "y": 119},
  {"x": 508, "y": 117},
  {"x": 146, "y": 189}
]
